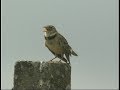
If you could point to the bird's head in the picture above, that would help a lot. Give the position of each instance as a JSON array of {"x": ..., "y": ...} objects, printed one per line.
[{"x": 49, "y": 30}]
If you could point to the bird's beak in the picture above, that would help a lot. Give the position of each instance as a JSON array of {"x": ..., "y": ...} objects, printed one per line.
[{"x": 44, "y": 30}]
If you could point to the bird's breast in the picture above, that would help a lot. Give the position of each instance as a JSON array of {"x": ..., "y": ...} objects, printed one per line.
[{"x": 54, "y": 46}]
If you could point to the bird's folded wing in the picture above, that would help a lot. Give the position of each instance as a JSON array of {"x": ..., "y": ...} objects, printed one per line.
[{"x": 64, "y": 44}]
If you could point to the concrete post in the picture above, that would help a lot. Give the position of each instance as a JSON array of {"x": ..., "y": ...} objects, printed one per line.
[{"x": 53, "y": 75}]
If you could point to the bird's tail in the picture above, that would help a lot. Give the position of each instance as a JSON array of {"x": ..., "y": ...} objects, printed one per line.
[{"x": 73, "y": 53}]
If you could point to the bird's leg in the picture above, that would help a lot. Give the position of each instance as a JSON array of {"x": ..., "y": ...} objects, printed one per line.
[
  {"x": 61, "y": 56},
  {"x": 53, "y": 58}
]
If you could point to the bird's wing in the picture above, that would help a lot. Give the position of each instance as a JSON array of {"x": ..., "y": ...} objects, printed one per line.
[
  {"x": 64, "y": 44},
  {"x": 66, "y": 47}
]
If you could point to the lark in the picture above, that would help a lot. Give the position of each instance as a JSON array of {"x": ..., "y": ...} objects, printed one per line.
[{"x": 57, "y": 44}]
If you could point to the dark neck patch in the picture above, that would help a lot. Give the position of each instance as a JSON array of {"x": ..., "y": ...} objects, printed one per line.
[{"x": 50, "y": 37}]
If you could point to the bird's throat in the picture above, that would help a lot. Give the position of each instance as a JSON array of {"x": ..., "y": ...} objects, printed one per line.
[{"x": 51, "y": 36}]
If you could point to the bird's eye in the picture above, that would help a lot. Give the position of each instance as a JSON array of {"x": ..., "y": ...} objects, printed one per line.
[{"x": 51, "y": 27}]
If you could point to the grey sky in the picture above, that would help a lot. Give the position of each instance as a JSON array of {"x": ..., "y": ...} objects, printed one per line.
[{"x": 90, "y": 26}]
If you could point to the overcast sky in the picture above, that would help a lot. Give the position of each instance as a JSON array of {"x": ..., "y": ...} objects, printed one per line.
[{"x": 90, "y": 26}]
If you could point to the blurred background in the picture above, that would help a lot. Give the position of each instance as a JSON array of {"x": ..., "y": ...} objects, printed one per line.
[{"x": 90, "y": 26}]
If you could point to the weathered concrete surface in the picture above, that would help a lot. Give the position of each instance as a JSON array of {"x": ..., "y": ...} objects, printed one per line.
[{"x": 30, "y": 75}]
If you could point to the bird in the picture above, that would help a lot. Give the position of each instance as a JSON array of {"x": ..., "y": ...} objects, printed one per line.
[{"x": 57, "y": 44}]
